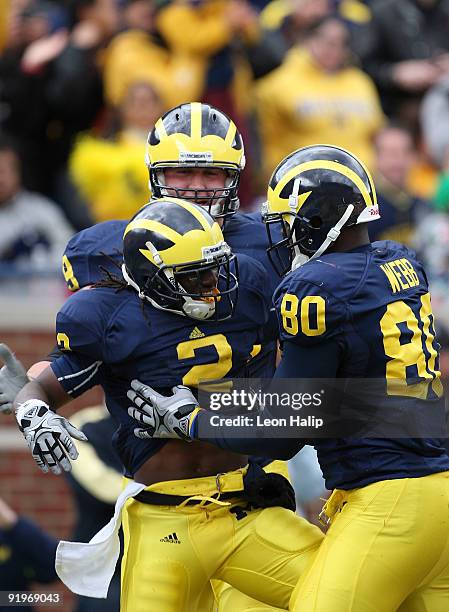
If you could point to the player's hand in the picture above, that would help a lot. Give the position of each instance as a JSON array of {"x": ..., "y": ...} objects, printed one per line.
[
  {"x": 43, "y": 50},
  {"x": 162, "y": 417},
  {"x": 415, "y": 75},
  {"x": 48, "y": 435},
  {"x": 12, "y": 378}
]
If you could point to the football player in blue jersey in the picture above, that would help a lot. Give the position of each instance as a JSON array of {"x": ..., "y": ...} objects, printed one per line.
[
  {"x": 172, "y": 317},
  {"x": 194, "y": 152},
  {"x": 353, "y": 310}
]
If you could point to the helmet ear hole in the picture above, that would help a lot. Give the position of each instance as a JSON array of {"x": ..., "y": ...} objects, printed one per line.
[{"x": 316, "y": 222}]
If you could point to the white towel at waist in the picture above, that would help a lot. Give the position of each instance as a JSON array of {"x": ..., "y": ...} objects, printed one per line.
[{"x": 87, "y": 568}]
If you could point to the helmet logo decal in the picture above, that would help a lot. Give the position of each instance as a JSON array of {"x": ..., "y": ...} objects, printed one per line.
[
  {"x": 204, "y": 157},
  {"x": 302, "y": 198},
  {"x": 209, "y": 252}
]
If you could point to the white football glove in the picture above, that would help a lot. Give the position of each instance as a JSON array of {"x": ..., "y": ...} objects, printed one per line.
[
  {"x": 48, "y": 436},
  {"x": 162, "y": 417},
  {"x": 12, "y": 378}
]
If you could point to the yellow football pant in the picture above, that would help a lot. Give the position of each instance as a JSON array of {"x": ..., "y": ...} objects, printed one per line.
[
  {"x": 229, "y": 599},
  {"x": 218, "y": 596},
  {"x": 172, "y": 552},
  {"x": 387, "y": 550}
]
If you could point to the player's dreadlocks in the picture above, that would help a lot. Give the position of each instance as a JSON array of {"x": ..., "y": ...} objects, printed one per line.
[
  {"x": 110, "y": 280},
  {"x": 117, "y": 283}
]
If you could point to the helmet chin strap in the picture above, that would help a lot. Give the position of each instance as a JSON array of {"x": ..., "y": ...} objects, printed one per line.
[
  {"x": 293, "y": 197},
  {"x": 300, "y": 259},
  {"x": 131, "y": 282},
  {"x": 198, "y": 310}
]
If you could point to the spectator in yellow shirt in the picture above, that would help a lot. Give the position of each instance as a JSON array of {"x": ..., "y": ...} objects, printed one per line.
[
  {"x": 139, "y": 53},
  {"x": 173, "y": 45},
  {"x": 110, "y": 174},
  {"x": 316, "y": 96}
]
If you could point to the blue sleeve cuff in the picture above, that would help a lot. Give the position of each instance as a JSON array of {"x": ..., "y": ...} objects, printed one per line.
[{"x": 193, "y": 426}]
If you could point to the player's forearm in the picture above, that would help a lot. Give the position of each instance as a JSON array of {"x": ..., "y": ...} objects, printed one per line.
[
  {"x": 300, "y": 363},
  {"x": 46, "y": 388},
  {"x": 32, "y": 390}
]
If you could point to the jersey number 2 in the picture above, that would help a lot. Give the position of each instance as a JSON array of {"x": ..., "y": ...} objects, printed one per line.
[{"x": 207, "y": 371}]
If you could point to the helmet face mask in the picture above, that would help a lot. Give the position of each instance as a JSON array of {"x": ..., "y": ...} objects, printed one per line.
[
  {"x": 218, "y": 201},
  {"x": 199, "y": 281},
  {"x": 314, "y": 193},
  {"x": 193, "y": 136},
  {"x": 167, "y": 289},
  {"x": 162, "y": 272},
  {"x": 280, "y": 248}
]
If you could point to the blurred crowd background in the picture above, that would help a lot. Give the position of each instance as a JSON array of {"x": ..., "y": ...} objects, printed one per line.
[
  {"x": 83, "y": 81},
  {"x": 81, "y": 84}
]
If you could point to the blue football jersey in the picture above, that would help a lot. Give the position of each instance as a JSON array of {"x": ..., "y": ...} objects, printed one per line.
[
  {"x": 113, "y": 337},
  {"x": 246, "y": 233},
  {"x": 90, "y": 251},
  {"x": 97, "y": 245},
  {"x": 374, "y": 302}
]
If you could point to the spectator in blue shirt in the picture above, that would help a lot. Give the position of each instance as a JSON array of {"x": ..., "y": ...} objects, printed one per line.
[{"x": 27, "y": 554}]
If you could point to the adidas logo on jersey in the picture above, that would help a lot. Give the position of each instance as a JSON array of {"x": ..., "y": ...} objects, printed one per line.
[
  {"x": 172, "y": 539},
  {"x": 196, "y": 333}
]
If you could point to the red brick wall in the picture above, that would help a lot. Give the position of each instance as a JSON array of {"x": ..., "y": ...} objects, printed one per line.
[{"x": 45, "y": 498}]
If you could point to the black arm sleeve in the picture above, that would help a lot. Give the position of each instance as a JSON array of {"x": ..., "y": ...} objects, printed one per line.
[
  {"x": 271, "y": 329},
  {"x": 320, "y": 361},
  {"x": 272, "y": 448}
]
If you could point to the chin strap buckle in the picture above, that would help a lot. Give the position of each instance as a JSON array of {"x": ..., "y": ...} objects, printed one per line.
[
  {"x": 333, "y": 234},
  {"x": 293, "y": 198}
]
